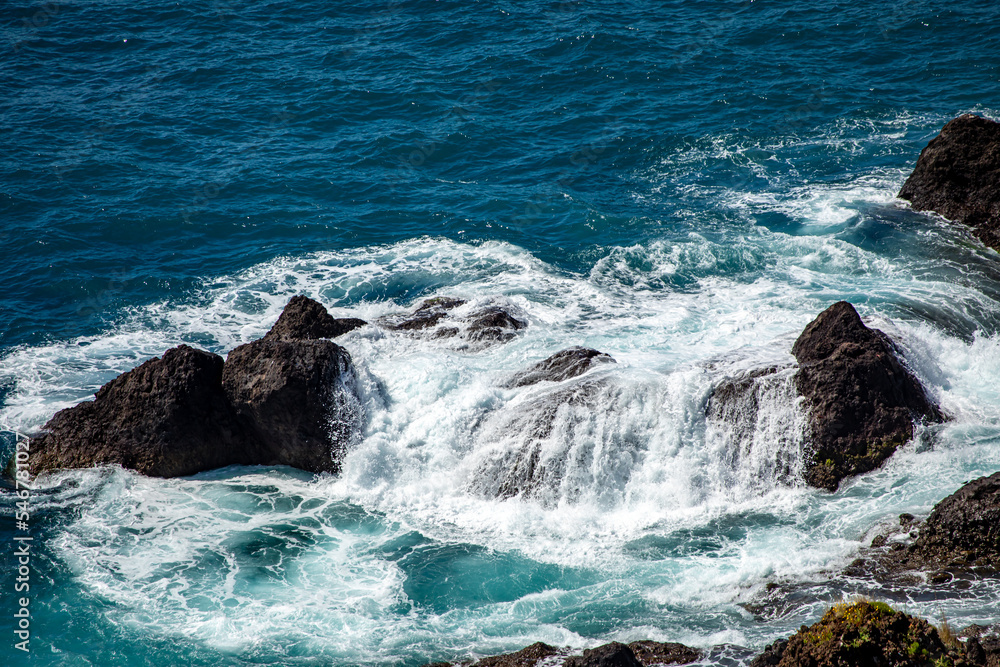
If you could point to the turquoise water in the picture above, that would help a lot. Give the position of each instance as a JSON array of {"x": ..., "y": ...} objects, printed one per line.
[{"x": 681, "y": 185}]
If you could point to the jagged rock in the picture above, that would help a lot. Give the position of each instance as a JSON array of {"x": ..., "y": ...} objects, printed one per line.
[
  {"x": 862, "y": 401},
  {"x": 862, "y": 633},
  {"x": 428, "y": 314},
  {"x": 493, "y": 324},
  {"x": 958, "y": 176},
  {"x": 651, "y": 653},
  {"x": 305, "y": 319},
  {"x": 165, "y": 418},
  {"x": 563, "y": 365},
  {"x": 298, "y": 397},
  {"x": 435, "y": 318},
  {"x": 771, "y": 655},
  {"x": 963, "y": 530},
  {"x": 614, "y": 654},
  {"x": 642, "y": 653},
  {"x": 526, "y": 657},
  {"x": 277, "y": 400}
]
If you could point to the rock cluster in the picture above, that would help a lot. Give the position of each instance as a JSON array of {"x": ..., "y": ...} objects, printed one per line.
[
  {"x": 287, "y": 399},
  {"x": 437, "y": 318},
  {"x": 614, "y": 654},
  {"x": 958, "y": 176}
]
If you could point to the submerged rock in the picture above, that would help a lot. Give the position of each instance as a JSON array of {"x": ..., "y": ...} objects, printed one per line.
[
  {"x": 755, "y": 425},
  {"x": 958, "y": 176},
  {"x": 963, "y": 530},
  {"x": 862, "y": 401},
  {"x": 305, "y": 319},
  {"x": 166, "y": 418},
  {"x": 436, "y": 318},
  {"x": 545, "y": 449},
  {"x": 493, "y": 324},
  {"x": 563, "y": 365},
  {"x": 279, "y": 400},
  {"x": 428, "y": 314},
  {"x": 863, "y": 633}
]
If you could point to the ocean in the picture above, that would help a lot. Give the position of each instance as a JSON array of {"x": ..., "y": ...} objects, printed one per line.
[{"x": 681, "y": 185}]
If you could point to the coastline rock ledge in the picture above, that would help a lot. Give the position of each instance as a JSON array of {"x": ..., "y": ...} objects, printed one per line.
[
  {"x": 287, "y": 399},
  {"x": 862, "y": 401},
  {"x": 958, "y": 176}
]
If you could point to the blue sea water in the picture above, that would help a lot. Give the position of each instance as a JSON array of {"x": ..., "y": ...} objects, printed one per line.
[{"x": 683, "y": 185}]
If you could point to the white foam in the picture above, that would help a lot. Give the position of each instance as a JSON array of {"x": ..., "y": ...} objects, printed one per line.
[{"x": 679, "y": 316}]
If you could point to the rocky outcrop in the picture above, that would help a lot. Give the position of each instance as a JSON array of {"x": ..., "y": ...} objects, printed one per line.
[
  {"x": 298, "y": 397},
  {"x": 167, "y": 417},
  {"x": 866, "y": 633},
  {"x": 963, "y": 530},
  {"x": 862, "y": 401},
  {"x": 958, "y": 176},
  {"x": 279, "y": 400},
  {"x": 438, "y": 318},
  {"x": 305, "y": 319},
  {"x": 563, "y": 365},
  {"x": 615, "y": 654}
]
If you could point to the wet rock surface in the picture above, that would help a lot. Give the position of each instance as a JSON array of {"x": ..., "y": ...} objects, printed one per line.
[
  {"x": 614, "y": 654},
  {"x": 299, "y": 399},
  {"x": 167, "y": 417},
  {"x": 563, "y": 365},
  {"x": 540, "y": 442},
  {"x": 862, "y": 401},
  {"x": 958, "y": 176},
  {"x": 439, "y": 318},
  {"x": 963, "y": 530},
  {"x": 278, "y": 400}
]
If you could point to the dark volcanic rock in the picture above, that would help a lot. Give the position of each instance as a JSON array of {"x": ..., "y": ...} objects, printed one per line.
[
  {"x": 862, "y": 633},
  {"x": 526, "y": 657},
  {"x": 862, "y": 402},
  {"x": 641, "y": 654},
  {"x": 608, "y": 655},
  {"x": 167, "y": 417},
  {"x": 428, "y": 314},
  {"x": 436, "y": 318},
  {"x": 305, "y": 319},
  {"x": 563, "y": 365},
  {"x": 285, "y": 399},
  {"x": 963, "y": 530},
  {"x": 494, "y": 324},
  {"x": 958, "y": 176},
  {"x": 298, "y": 397},
  {"x": 651, "y": 653}
]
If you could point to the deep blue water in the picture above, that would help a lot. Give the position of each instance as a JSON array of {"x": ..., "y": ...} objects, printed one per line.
[{"x": 683, "y": 185}]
